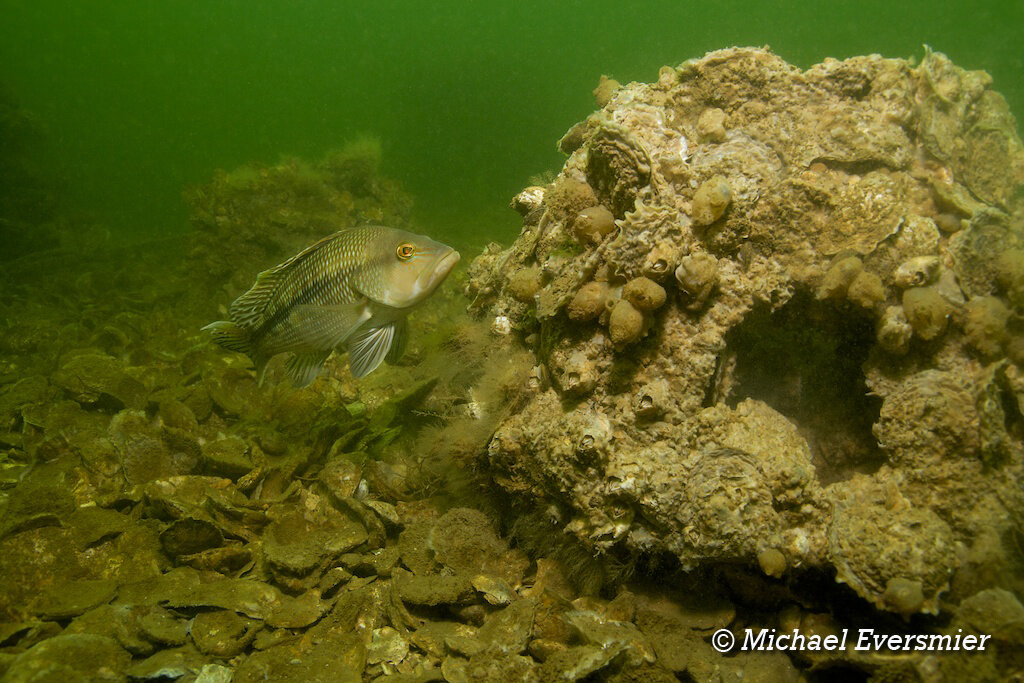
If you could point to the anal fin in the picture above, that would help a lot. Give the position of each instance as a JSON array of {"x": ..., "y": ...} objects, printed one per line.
[{"x": 303, "y": 368}]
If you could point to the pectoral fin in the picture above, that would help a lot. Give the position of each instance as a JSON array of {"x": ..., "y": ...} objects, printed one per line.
[
  {"x": 398, "y": 343},
  {"x": 368, "y": 347}
]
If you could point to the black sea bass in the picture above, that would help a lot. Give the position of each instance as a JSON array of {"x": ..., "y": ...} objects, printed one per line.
[{"x": 353, "y": 288}]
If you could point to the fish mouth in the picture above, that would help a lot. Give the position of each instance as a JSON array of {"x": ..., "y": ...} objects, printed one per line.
[
  {"x": 447, "y": 263},
  {"x": 429, "y": 280}
]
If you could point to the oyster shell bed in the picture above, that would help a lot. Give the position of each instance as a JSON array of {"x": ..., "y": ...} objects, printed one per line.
[{"x": 531, "y": 497}]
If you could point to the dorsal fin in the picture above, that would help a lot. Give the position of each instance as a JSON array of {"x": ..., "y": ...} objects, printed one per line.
[{"x": 249, "y": 310}]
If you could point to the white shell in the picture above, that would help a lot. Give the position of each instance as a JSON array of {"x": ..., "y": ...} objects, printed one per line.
[{"x": 501, "y": 325}]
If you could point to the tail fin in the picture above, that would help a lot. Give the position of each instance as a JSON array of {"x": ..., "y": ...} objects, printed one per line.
[{"x": 236, "y": 338}]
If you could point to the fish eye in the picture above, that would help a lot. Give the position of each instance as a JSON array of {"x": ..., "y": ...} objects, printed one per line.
[{"x": 405, "y": 251}]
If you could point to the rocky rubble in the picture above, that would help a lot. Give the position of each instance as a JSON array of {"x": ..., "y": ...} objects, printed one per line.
[{"x": 798, "y": 347}]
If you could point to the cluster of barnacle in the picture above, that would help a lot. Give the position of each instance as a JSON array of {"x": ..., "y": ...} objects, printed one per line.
[
  {"x": 626, "y": 306},
  {"x": 929, "y": 298}
]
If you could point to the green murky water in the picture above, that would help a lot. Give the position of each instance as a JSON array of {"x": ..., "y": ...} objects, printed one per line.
[
  {"x": 144, "y": 98},
  {"x": 766, "y": 375}
]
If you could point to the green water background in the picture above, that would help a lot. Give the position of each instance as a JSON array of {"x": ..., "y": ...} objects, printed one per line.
[{"x": 141, "y": 98}]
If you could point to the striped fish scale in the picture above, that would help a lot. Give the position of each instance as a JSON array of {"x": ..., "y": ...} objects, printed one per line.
[{"x": 355, "y": 286}]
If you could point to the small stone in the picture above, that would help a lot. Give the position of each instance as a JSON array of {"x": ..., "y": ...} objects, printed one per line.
[
  {"x": 711, "y": 125},
  {"x": 710, "y": 200},
  {"x": 592, "y": 224},
  {"x": 772, "y": 561},
  {"x": 626, "y": 324},
  {"x": 589, "y": 302},
  {"x": 386, "y": 645},
  {"x": 838, "y": 277},
  {"x": 866, "y": 290},
  {"x": 645, "y": 294},
  {"x": 524, "y": 284},
  {"x": 894, "y": 332},
  {"x": 916, "y": 272},
  {"x": 529, "y": 200},
  {"x": 985, "y": 324},
  {"x": 605, "y": 89},
  {"x": 697, "y": 275},
  {"x": 496, "y": 591},
  {"x": 926, "y": 311},
  {"x": 904, "y": 596}
]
